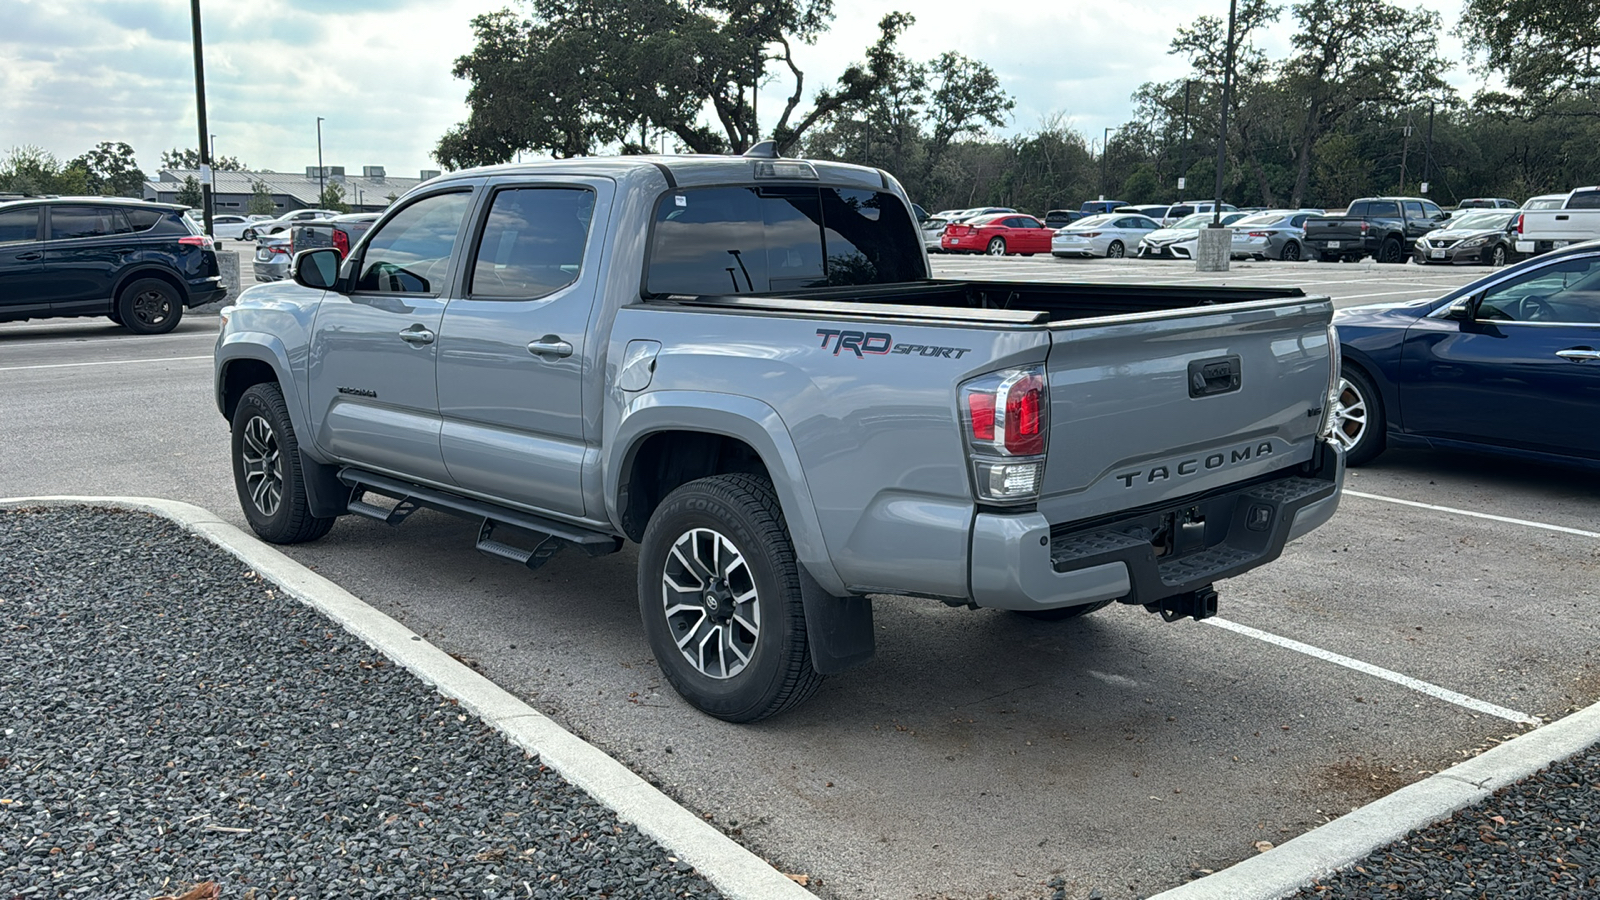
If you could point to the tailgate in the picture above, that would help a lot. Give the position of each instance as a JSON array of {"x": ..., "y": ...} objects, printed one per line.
[
  {"x": 1334, "y": 229},
  {"x": 1163, "y": 406},
  {"x": 1561, "y": 225}
]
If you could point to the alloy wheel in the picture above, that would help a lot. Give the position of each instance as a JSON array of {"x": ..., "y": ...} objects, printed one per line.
[
  {"x": 263, "y": 465},
  {"x": 708, "y": 594},
  {"x": 1349, "y": 415}
]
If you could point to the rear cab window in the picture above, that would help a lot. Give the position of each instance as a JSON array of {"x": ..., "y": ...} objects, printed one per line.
[{"x": 759, "y": 239}]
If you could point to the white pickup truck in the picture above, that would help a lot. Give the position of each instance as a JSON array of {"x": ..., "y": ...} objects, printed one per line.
[{"x": 1542, "y": 228}]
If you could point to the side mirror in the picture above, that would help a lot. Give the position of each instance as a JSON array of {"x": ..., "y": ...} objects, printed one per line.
[
  {"x": 317, "y": 268},
  {"x": 1444, "y": 215},
  {"x": 1460, "y": 311}
]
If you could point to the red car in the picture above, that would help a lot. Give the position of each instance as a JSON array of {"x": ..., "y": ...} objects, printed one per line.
[{"x": 998, "y": 235}]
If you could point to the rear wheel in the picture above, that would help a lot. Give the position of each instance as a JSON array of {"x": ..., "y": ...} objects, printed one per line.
[
  {"x": 1291, "y": 251},
  {"x": 1063, "y": 613},
  {"x": 266, "y": 470},
  {"x": 997, "y": 247},
  {"x": 720, "y": 596},
  {"x": 1358, "y": 423},
  {"x": 1116, "y": 250},
  {"x": 149, "y": 306}
]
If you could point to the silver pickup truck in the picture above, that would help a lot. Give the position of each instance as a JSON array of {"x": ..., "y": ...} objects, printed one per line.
[{"x": 743, "y": 364}]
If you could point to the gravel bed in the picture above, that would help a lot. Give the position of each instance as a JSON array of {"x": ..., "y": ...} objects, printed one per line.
[
  {"x": 1537, "y": 839},
  {"x": 167, "y": 719}
]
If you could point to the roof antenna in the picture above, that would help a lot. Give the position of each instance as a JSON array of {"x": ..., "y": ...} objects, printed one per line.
[{"x": 763, "y": 150}]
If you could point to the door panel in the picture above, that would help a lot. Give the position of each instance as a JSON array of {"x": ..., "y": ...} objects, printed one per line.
[
  {"x": 22, "y": 284},
  {"x": 513, "y": 352},
  {"x": 373, "y": 394},
  {"x": 84, "y": 251}
]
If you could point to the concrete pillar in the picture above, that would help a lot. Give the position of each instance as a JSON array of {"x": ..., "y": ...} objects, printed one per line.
[
  {"x": 1214, "y": 250},
  {"x": 228, "y": 267}
]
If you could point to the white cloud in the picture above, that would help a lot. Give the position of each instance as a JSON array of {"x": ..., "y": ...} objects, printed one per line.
[{"x": 82, "y": 71}]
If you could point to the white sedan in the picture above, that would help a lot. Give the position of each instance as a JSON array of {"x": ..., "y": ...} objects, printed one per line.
[
  {"x": 229, "y": 227},
  {"x": 1110, "y": 235},
  {"x": 1178, "y": 240}
]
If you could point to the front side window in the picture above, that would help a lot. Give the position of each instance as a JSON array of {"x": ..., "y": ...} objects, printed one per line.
[
  {"x": 532, "y": 243},
  {"x": 1584, "y": 200},
  {"x": 85, "y": 222},
  {"x": 1566, "y": 292},
  {"x": 1432, "y": 211},
  {"x": 411, "y": 253},
  {"x": 19, "y": 225}
]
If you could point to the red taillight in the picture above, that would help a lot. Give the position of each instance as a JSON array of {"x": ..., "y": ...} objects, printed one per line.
[
  {"x": 341, "y": 242},
  {"x": 1519, "y": 223},
  {"x": 1025, "y": 416},
  {"x": 280, "y": 248},
  {"x": 1365, "y": 226},
  {"x": 1090, "y": 234},
  {"x": 980, "y": 411},
  {"x": 1261, "y": 234},
  {"x": 197, "y": 240}
]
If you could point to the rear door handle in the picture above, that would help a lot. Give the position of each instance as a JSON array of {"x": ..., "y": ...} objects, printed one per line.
[
  {"x": 417, "y": 335},
  {"x": 1579, "y": 354},
  {"x": 30, "y": 256},
  {"x": 552, "y": 346}
]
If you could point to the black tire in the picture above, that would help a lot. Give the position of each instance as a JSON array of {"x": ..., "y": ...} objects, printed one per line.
[
  {"x": 1063, "y": 613},
  {"x": 1364, "y": 438},
  {"x": 115, "y": 316},
  {"x": 1498, "y": 256},
  {"x": 1391, "y": 252},
  {"x": 1291, "y": 252},
  {"x": 149, "y": 306},
  {"x": 1116, "y": 250},
  {"x": 287, "y": 519},
  {"x": 742, "y": 511},
  {"x": 249, "y": 234},
  {"x": 997, "y": 247}
]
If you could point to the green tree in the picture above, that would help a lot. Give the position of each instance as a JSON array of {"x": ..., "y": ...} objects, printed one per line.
[
  {"x": 190, "y": 194},
  {"x": 33, "y": 170},
  {"x": 573, "y": 78},
  {"x": 1547, "y": 50},
  {"x": 110, "y": 170},
  {"x": 332, "y": 197},
  {"x": 261, "y": 202},
  {"x": 190, "y": 159}
]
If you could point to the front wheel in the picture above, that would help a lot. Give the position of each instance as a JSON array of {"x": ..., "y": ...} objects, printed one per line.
[
  {"x": 1116, "y": 250},
  {"x": 1358, "y": 423},
  {"x": 997, "y": 247},
  {"x": 1498, "y": 256},
  {"x": 248, "y": 235},
  {"x": 720, "y": 596},
  {"x": 266, "y": 470},
  {"x": 149, "y": 306}
]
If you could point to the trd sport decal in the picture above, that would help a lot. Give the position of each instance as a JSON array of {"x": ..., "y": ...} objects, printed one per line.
[{"x": 879, "y": 343}]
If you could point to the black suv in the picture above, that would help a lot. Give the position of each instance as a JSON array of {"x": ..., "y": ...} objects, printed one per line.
[{"x": 140, "y": 263}]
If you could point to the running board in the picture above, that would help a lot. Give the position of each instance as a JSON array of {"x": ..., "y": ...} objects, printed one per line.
[{"x": 551, "y": 535}]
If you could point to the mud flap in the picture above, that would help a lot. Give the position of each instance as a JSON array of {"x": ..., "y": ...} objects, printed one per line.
[
  {"x": 326, "y": 495},
  {"x": 839, "y": 629}
]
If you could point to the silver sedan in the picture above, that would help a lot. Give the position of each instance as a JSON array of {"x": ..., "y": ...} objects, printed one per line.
[
  {"x": 1275, "y": 234},
  {"x": 1108, "y": 235}
]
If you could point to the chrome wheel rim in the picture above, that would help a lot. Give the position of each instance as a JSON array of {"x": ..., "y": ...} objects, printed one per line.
[
  {"x": 1291, "y": 251},
  {"x": 152, "y": 307},
  {"x": 1349, "y": 415},
  {"x": 1116, "y": 250},
  {"x": 708, "y": 595},
  {"x": 1499, "y": 256},
  {"x": 997, "y": 248},
  {"x": 263, "y": 466}
]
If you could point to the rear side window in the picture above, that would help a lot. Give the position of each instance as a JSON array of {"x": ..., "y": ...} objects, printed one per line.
[
  {"x": 1379, "y": 209},
  {"x": 760, "y": 239},
  {"x": 1178, "y": 212},
  {"x": 85, "y": 222},
  {"x": 19, "y": 225},
  {"x": 411, "y": 253},
  {"x": 1358, "y": 209},
  {"x": 533, "y": 242}
]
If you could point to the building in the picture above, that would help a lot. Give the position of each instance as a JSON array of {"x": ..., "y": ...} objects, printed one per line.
[{"x": 371, "y": 191}]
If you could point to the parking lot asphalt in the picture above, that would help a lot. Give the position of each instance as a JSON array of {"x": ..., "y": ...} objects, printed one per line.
[{"x": 980, "y": 754}]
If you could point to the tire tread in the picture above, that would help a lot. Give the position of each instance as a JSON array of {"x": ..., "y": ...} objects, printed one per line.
[{"x": 301, "y": 526}]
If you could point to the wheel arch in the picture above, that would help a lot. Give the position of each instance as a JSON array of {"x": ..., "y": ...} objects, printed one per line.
[
  {"x": 668, "y": 438},
  {"x": 245, "y": 360},
  {"x": 149, "y": 271},
  {"x": 1388, "y": 395}
]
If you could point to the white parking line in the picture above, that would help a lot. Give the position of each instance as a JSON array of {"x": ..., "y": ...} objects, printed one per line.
[
  {"x": 1415, "y": 684},
  {"x": 72, "y": 341},
  {"x": 107, "y": 362},
  {"x": 1476, "y": 515}
]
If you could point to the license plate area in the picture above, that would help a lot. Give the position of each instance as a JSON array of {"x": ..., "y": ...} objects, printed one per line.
[
  {"x": 1333, "y": 245},
  {"x": 1437, "y": 254}
]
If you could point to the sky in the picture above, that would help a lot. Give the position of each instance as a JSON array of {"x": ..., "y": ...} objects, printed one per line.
[{"x": 378, "y": 71}]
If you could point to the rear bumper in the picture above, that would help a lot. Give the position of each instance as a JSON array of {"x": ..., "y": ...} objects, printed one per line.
[
  {"x": 205, "y": 290},
  {"x": 1022, "y": 562}
]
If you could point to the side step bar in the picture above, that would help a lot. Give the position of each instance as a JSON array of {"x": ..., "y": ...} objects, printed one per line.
[{"x": 552, "y": 535}]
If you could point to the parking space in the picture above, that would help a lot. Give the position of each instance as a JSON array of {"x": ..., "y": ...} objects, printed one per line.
[{"x": 980, "y": 754}]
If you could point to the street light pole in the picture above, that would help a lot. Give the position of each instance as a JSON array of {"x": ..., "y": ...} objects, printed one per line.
[
  {"x": 200, "y": 114},
  {"x": 321, "y": 172},
  {"x": 1105, "y": 146},
  {"x": 1222, "y": 134},
  {"x": 1188, "y": 83}
]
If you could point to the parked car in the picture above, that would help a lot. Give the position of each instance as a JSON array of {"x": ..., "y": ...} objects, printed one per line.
[
  {"x": 1487, "y": 203},
  {"x": 1109, "y": 235},
  {"x": 1185, "y": 208},
  {"x": 511, "y": 345},
  {"x": 1061, "y": 218},
  {"x": 273, "y": 253},
  {"x": 139, "y": 264},
  {"x": 1274, "y": 234},
  {"x": 340, "y": 232},
  {"x": 1384, "y": 228},
  {"x": 1576, "y": 219},
  {"x": 285, "y": 221},
  {"x": 1508, "y": 364},
  {"x": 1479, "y": 237},
  {"x": 933, "y": 232},
  {"x": 1100, "y": 207},
  {"x": 1177, "y": 241},
  {"x": 1004, "y": 234},
  {"x": 228, "y": 227},
  {"x": 968, "y": 215}
]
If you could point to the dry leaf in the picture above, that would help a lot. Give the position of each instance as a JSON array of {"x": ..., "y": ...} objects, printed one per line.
[{"x": 801, "y": 880}]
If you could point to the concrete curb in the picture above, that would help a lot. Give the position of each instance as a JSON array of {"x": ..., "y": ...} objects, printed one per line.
[
  {"x": 734, "y": 870},
  {"x": 1300, "y": 862}
]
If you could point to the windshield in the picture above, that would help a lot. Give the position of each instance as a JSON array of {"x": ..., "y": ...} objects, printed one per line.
[
  {"x": 1545, "y": 202},
  {"x": 1198, "y": 220},
  {"x": 1263, "y": 219},
  {"x": 1480, "y": 220}
]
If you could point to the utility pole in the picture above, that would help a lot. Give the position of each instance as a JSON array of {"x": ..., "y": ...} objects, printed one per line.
[
  {"x": 322, "y": 188},
  {"x": 1427, "y": 158},
  {"x": 1405, "y": 148},
  {"x": 1222, "y": 134},
  {"x": 1105, "y": 145},
  {"x": 1182, "y": 180},
  {"x": 200, "y": 111}
]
